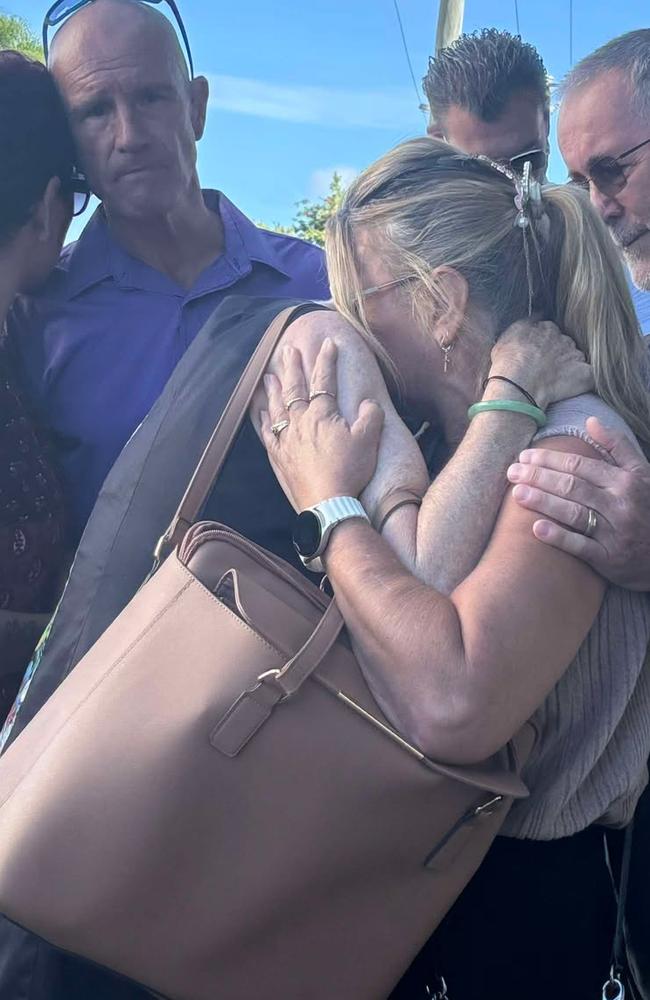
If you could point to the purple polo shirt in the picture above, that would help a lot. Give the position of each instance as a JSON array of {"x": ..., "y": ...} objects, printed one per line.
[{"x": 100, "y": 340}]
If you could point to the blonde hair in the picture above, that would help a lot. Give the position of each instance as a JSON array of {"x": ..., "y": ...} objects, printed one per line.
[{"x": 427, "y": 205}]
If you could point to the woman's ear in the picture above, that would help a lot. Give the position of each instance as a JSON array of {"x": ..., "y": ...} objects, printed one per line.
[{"x": 454, "y": 295}]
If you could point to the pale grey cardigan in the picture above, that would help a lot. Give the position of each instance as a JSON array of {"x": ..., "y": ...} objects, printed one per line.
[{"x": 590, "y": 762}]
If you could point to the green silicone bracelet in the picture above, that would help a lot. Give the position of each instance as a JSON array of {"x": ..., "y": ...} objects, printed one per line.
[{"x": 510, "y": 406}]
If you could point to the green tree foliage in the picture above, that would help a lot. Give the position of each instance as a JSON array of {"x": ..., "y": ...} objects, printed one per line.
[
  {"x": 15, "y": 33},
  {"x": 311, "y": 216}
]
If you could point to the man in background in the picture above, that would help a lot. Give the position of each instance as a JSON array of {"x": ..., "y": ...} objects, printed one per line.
[
  {"x": 604, "y": 136},
  {"x": 488, "y": 93}
]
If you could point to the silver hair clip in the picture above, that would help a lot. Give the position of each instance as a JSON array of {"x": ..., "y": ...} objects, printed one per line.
[
  {"x": 528, "y": 197},
  {"x": 528, "y": 191},
  {"x": 529, "y": 205}
]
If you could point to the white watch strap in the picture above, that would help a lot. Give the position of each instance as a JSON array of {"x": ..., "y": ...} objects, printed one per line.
[{"x": 332, "y": 512}]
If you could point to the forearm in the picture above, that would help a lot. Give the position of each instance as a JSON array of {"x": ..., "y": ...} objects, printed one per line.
[
  {"x": 442, "y": 543},
  {"x": 395, "y": 621},
  {"x": 458, "y": 675}
]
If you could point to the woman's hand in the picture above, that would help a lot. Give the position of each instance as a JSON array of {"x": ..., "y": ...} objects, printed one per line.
[
  {"x": 315, "y": 452},
  {"x": 543, "y": 360}
]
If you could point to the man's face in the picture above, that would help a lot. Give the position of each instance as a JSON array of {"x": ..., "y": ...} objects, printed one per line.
[
  {"x": 134, "y": 114},
  {"x": 522, "y": 126},
  {"x": 600, "y": 120}
]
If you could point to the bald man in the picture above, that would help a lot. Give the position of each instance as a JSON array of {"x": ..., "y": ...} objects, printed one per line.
[{"x": 100, "y": 341}]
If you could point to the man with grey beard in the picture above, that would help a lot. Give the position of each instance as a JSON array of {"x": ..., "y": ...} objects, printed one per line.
[{"x": 604, "y": 137}]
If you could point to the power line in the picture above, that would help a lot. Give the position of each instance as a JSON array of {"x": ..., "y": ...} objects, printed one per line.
[
  {"x": 517, "y": 17},
  {"x": 408, "y": 57}
]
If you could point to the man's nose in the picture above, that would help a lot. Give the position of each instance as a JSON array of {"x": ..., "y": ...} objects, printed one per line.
[
  {"x": 129, "y": 133},
  {"x": 607, "y": 206}
]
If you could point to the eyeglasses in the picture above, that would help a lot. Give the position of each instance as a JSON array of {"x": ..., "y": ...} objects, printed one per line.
[
  {"x": 63, "y": 9},
  {"x": 538, "y": 159},
  {"x": 387, "y": 284},
  {"x": 77, "y": 188},
  {"x": 608, "y": 173}
]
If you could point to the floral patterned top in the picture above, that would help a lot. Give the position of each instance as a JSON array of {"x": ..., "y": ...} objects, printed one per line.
[{"x": 32, "y": 545}]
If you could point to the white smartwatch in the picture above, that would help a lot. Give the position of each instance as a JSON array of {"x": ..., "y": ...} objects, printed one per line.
[{"x": 314, "y": 526}]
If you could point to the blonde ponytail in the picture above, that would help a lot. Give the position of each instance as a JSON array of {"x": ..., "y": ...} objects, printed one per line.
[{"x": 593, "y": 306}]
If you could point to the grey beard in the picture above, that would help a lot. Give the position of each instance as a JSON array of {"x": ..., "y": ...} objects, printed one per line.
[{"x": 624, "y": 235}]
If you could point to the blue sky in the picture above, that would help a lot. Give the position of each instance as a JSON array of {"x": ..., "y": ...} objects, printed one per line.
[{"x": 302, "y": 87}]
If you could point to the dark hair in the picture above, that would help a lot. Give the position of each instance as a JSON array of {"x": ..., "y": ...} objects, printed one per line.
[
  {"x": 481, "y": 72},
  {"x": 35, "y": 139}
]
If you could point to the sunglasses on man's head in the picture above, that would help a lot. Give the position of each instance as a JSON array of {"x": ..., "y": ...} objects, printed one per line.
[
  {"x": 608, "y": 174},
  {"x": 63, "y": 9}
]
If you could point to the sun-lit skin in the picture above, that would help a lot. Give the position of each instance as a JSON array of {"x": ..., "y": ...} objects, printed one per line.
[
  {"x": 601, "y": 119},
  {"x": 136, "y": 117},
  {"x": 523, "y": 125}
]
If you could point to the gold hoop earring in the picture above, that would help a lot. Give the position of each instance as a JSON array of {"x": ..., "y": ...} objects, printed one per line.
[{"x": 446, "y": 350}]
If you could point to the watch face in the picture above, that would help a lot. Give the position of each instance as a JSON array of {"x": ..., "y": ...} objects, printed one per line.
[{"x": 307, "y": 534}]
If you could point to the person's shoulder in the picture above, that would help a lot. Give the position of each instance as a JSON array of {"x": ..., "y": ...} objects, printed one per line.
[
  {"x": 568, "y": 418},
  {"x": 290, "y": 247},
  {"x": 277, "y": 239},
  {"x": 56, "y": 285},
  {"x": 302, "y": 262}
]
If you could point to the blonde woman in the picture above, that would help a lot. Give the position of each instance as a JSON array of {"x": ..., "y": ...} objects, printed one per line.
[{"x": 430, "y": 256}]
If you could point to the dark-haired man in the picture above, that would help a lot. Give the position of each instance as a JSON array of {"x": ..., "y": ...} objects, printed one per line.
[{"x": 488, "y": 92}]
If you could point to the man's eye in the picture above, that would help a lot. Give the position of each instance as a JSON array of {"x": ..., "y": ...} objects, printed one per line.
[
  {"x": 607, "y": 168},
  {"x": 96, "y": 110},
  {"x": 151, "y": 97}
]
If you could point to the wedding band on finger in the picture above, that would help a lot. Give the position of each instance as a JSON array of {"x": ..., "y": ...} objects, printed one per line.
[
  {"x": 295, "y": 399},
  {"x": 279, "y": 427},
  {"x": 321, "y": 392},
  {"x": 592, "y": 523}
]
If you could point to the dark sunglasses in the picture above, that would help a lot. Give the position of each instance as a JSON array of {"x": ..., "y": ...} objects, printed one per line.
[
  {"x": 63, "y": 9},
  {"x": 538, "y": 159},
  {"x": 608, "y": 173},
  {"x": 79, "y": 192}
]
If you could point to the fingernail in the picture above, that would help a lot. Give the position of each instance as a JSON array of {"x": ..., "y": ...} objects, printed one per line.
[
  {"x": 515, "y": 472},
  {"x": 268, "y": 381},
  {"x": 542, "y": 529},
  {"x": 521, "y": 493},
  {"x": 526, "y": 456}
]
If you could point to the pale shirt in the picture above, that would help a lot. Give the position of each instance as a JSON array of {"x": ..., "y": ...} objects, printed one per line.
[{"x": 590, "y": 761}]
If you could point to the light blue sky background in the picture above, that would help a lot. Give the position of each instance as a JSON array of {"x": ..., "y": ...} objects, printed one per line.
[{"x": 302, "y": 87}]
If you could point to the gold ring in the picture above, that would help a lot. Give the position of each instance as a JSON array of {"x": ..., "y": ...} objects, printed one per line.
[
  {"x": 592, "y": 523},
  {"x": 321, "y": 392},
  {"x": 295, "y": 399},
  {"x": 279, "y": 427}
]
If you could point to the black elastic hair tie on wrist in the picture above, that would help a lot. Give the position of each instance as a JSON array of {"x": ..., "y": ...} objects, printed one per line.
[{"x": 502, "y": 378}]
